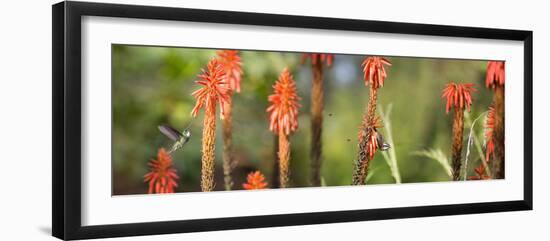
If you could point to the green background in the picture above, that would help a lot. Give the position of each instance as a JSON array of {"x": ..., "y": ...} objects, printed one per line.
[{"x": 153, "y": 86}]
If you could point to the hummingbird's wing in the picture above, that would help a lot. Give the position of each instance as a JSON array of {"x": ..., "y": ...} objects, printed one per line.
[
  {"x": 379, "y": 140},
  {"x": 170, "y": 132}
]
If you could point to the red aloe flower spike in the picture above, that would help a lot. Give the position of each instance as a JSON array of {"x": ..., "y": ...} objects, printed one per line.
[
  {"x": 255, "y": 180},
  {"x": 214, "y": 88},
  {"x": 458, "y": 95},
  {"x": 214, "y": 91},
  {"x": 495, "y": 145},
  {"x": 283, "y": 111},
  {"x": 162, "y": 176},
  {"x": 316, "y": 109},
  {"x": 374, "y": 72},
  {"x": 495, "y": 74},
  {"x": 232, "y": 66},
  {"x": 283, "y": 119},
  {"x": 480, "y": 174},
  {"x": 326, "y": 58},
  {"x": 375, "y": 75}
]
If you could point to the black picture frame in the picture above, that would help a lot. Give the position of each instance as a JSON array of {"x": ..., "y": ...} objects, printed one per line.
[{"x": 66, "y": 59}]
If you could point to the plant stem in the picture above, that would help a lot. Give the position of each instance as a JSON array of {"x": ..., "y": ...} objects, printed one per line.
[
  {"x": 362, "y": 162},
  {"x": 498, "y": 163},
  {"x": 316, "y": 123},
  {"x": 228, "y": 145},
  {"x": 275, "y": 174},
  {"x": 390, "y": 155},
  {"x": 471, "y": 138},
  {"x": 479, "y": 149},
  {"x": 284, "y": 159},
  {"x": 458, "y": 130},
  {"x": 208, "y": 141}
]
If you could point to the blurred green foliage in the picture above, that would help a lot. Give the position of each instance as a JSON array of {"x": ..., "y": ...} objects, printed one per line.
[{"x": 153, "y": 85}]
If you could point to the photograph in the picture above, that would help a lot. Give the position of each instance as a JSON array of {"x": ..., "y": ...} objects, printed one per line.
[
  {"x": 274, "y": 120},
  {"x": 199, "y": 119}
]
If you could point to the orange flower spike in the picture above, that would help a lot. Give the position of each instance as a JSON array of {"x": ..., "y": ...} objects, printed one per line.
[
  {"x": 316, "y": 111},
  {"x": 495, "y": 144},
  {"x": 374, "y": 72},
  {"x": 232, "y": 66},
  {"x": 458, "y": 95},
  {"x": 327, "y": 58},
  {"x": 214, "y": 88},
  {"x": 255, "y": 180},
  {"x": 163, "y": 176},
  {"x": 283, "y": 111},
  {"x": 283, "y": 119},
  {"x": 495, "y": 74}
]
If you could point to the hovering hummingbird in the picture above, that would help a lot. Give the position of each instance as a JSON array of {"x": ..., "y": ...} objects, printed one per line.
[
  {"x": 179, "y": 138},
  {"x": 382, "y": 145}
]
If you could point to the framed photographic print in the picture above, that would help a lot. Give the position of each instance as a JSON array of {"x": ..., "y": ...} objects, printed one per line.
[{"x": 172, "y": 120}]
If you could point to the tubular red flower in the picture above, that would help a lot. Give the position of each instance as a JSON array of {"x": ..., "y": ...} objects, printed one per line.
[
  {"x": 214, "y": 88},
  {"x": 232, "y": 66},
  {"x": 458, "y": 95},
  {"x": 255, "y": 180},
  {"x": 369, "y": 130},
  {"x": 326, "y": 58},
  {"x": 495, "y": 74},
  {"x": 374, "y": 72},
  {"x": 163, "y": 176},
  {"x": 283, "y": 111}
]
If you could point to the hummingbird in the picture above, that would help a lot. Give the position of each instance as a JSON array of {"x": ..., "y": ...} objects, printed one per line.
[
  {"x": 174, "y": 135},
  {"x": 382, "y": 145}
]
